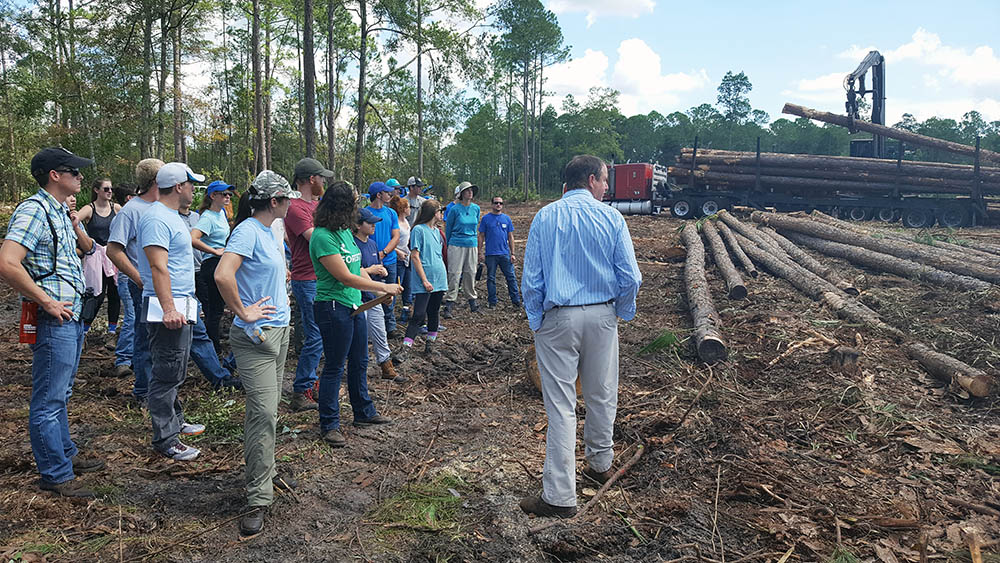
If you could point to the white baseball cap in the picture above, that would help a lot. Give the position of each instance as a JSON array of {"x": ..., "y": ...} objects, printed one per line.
[{"x": 174, "y": 173}]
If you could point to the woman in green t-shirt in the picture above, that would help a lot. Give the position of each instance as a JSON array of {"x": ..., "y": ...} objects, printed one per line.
[{"x": 339, "y": 282}]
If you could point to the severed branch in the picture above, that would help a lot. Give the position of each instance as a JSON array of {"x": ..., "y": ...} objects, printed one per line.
[{"x": 600, "y": 493}]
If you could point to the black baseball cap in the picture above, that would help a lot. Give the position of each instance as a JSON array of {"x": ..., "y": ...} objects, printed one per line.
[
  {"x": 56, "y": 157},
  {"x": 311, "y": 167}
]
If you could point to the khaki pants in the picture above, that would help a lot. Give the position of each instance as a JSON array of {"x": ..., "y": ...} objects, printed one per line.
[
  {"x": 577, "y": 341},
  {"x": 262, "y": 367},
  {"x": 461, "y": 270}
]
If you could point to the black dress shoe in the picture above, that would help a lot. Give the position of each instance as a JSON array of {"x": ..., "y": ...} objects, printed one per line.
[
  {"x": 535, "y": 505},
  {"x": 252, "y": 522}
]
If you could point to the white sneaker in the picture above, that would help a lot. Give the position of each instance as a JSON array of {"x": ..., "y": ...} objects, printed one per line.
[
  {"x": 188, "y": 429},
  {"x": 180, "y": 452}
]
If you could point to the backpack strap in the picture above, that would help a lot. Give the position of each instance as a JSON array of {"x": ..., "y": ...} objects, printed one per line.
[{"x": 55, "y": 239}]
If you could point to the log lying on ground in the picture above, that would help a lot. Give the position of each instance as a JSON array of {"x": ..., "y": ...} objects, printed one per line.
[
  {"x": 963, "y": 172},
  {"x": 734, "y": 245},
  {"x": 948, "y": 369},
  {"x": 943, "y": 248},
  {"x": 819, "y": 289},
  {"x": 811, "y": 263},
  {"x": 887, "y": 263},
  {"x": 734, "y": 283},
  {"x": 770, "y": 244},
  {"x": 708, "y": 340},
  {"x": 891, "y": 132},
  {"x": 747, "y": 178},
  {"x": 895, "y": 248}
]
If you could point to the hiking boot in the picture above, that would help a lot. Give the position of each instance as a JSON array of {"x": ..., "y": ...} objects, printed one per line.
[
  {"x": 392, "y": 334},
  {"x": 389, "y": 372},
  {"x": 473, "y": 306},
  {"x": 229, "y": 383},
  {"x": 71, "y": 488},
  {"x": 491, "y": 305},
  {"x": 428, "y": 348},
  {"x": 303, "y": 401},
  {"x": 600, "y": 477},
  {"x": 121, "y": 370},
  {"x": 447, "y": 309},
  {"x": 252, "y": 523},
  {"x": 284, "y": 482},
  {"x": 334, "y": 438},
  {"x": 401, "y": 355},
  {"x": 189, "y": 429},
  {"x": 373, "y": 421},
  {"x": 86, "y": 464},
  {"x": 535, "y": 505},
  {"x": 180, "y": 452}
]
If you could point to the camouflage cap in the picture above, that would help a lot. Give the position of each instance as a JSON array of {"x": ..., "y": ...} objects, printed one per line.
[{"x": 270, "y": 184}]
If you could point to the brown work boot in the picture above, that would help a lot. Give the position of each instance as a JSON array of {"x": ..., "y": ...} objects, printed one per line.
[
  {"x": 389, "y": 372},
  {"x": 598, "y": 476},
  {"x": 83, "y": 464},
  {"x": 334, "y": 438},
  {"x": 71, "y": 488},
  {"x": 302, "y": 402},
  {"x": 535, "y": 505}
]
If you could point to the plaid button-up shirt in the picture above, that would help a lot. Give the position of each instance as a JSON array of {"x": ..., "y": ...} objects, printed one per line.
[{"x": 29, "y": 227}]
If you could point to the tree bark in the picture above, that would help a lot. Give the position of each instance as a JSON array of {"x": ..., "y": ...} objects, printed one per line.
[
  {"x": 145, "y": 128},
  {"x": 309, "y": 68},
  {"x": 886, "y": 263},
  {"x": 708, "y": 340},
  {"x": 950, "y": 370},
  {"x": 891, "y": 132},
  {"x": 895, "y": 248},
  {"x": 268, "y": 125},
  {"x": 810, "y": 263},
  {"x": 734, "y": 246},
  {"x": 420, "y": 93},
  {"x": 161, "y": 83},
  {"x": 179, "y": 152},
  {"x": 259, "y": 148},
  {"x": 524, "y": 130},
  {"x": 362, "y": 100},
  {"x": 734, "y": 283},
  {"x": 331, "y": 72}
]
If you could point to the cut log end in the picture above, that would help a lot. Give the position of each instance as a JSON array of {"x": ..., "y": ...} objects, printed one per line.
[
  {"x": 978, "y": 386},
  {"x": 738, "y": 292},
  {"x": 753, "y": 274},
  {"x": 712, "y": 350},
  {"x": 845, "y": 359},
  {"x": 850, "y": 290}
]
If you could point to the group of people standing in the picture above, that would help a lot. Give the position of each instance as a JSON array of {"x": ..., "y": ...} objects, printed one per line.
[{"x": 175, "y": 263}]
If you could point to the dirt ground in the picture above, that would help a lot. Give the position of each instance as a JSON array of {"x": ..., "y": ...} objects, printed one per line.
[{"x": 780, "y": 458}]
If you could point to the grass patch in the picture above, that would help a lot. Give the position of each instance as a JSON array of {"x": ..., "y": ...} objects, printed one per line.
[
  {"x": 974, "y": 462},
  {"x": 93, "y": 545},
  {"x": 39, "y": 548},
  {"x": 222, "y": 414},
  {"x": 668, "y": 341},
  {"x": 842, "y": 555},
  {"x": 430, "y": 506}
]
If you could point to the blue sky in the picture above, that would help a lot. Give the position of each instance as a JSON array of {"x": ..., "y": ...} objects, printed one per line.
[{"x": 942, "y": 58}]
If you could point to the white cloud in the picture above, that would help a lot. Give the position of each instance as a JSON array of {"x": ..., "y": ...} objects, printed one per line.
[
  {"x": 636, "y": 75},
  {"x": 978, "y": 68},
  {"x": 988, "y": 107},
  {"x": 595, "y": 8}
]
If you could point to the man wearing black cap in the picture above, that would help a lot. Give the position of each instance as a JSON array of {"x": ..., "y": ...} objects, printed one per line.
[
  {"x": 310, "y": 176},
  {"x": 38, "y": 259}
]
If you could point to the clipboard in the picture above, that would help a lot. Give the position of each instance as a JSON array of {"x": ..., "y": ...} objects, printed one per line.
[
  {"x": 186, "y": 306},
  {"x": 380, "y": 300}
]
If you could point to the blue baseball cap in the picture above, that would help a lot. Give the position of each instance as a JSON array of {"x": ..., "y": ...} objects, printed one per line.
[
  {"x": 368, "y": 217},
  {"x": 376, "y": 188},
  {"x": 218, "y": 186}
]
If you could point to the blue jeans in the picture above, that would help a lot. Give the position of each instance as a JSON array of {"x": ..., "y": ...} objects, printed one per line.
[
  {"x": 204, "y": 356},
  {"x": 141, "y": 364},
  {"x": 126, "y": 330},
  {"x": 390, "y": 319},
  {"x": 304, "y": 292},
  {"x": 345, "y": 338},
  {"x": 491, "y": 278},
  {"x": 55, "y": 357}
]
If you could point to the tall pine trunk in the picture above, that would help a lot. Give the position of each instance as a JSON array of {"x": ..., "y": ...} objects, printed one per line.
[
  {"x": 420, "y": 106},
  {"x": 524, "y": 128},
  {"x": 179, "y": 152},
  {"x": 331, "y": 71},
  {"x": 268, "y": 125},
  {"x": 309, "y": 68},
  {"x": 161, "y": 89},
  {"x": 359, "y": 146},
  {"x": 146, "y": 131},
  {"x": 259, "y": 148}
]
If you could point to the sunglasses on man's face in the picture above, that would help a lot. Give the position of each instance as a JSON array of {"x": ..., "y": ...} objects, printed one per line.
[
  {"x": 106, "y": 189},
  {"x": 74, "y": 171},
  {"x": 497, "y": 203}
]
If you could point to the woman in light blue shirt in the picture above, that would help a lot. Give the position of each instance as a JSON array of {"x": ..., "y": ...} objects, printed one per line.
[
  {"x": 251, "y": 277},
  {"x": 209, "y": 236}
]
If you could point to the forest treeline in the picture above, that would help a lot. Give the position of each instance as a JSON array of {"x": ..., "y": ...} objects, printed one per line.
[{"x": 374, "y": 88}]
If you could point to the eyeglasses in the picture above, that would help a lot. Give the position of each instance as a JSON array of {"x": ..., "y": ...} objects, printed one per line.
[
  {"x": 224, "y": 194},
  {"x": 497, "y": 203},
  {"x": 106, "y": 189},
  {"x": 74, "y": 171}
]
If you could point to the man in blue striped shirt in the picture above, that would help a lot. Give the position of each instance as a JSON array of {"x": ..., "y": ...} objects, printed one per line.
[{"x": 580, "y": 277}]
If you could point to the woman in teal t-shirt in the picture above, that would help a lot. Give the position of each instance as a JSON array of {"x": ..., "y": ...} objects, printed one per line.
[
  {"x": 460, "y": 230},
  {"x": 209, "y": 236},
  {"x": 339, "y": 282},
  {"x": 429, "y": 278}
]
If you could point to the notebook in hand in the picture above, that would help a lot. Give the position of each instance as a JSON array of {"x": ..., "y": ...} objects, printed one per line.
[{"x": 187, "y": 306}]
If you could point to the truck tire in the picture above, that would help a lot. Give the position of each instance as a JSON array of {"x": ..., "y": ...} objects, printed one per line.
[
  {"x": 886, "y": 214},
  {"x": 917, "y": 218},
  {"x": 682, "y": 209},
  {"x": 954, "y": 216},
  {"x": 858, "y": 213},
  {"x": 711, "y": 207}
]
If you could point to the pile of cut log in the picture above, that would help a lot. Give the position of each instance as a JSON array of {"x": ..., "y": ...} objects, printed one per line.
[
  {"x": 776, "y": 246},
  {"x": 841, "y": 174}
]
